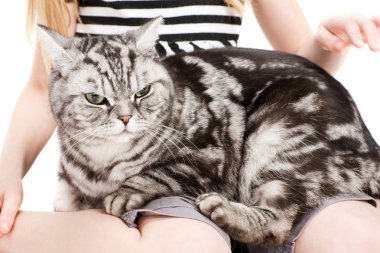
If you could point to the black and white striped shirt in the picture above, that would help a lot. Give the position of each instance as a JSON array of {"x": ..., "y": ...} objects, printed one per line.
[{"x": 189, "y": 24}]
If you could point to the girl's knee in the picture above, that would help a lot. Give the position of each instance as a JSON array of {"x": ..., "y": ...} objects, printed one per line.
[{"x": 349, "y": 226}]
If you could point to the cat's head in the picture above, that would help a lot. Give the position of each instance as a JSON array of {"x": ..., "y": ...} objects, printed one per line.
[{"x": 113, "y": 87}]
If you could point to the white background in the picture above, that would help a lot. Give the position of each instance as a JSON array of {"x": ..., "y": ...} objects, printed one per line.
[{"x": 360, "y": 75}]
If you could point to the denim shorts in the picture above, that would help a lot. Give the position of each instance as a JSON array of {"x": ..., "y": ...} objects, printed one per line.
[{"x": 184, "y": 207}]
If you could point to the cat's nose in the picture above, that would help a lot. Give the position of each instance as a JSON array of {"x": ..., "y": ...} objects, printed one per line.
[{"x": 125, "y": 118}]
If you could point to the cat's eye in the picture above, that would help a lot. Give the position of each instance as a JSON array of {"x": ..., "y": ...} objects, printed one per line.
[
  {"x": 143, "y": 92},
  {"x": 95, "y": 99}
]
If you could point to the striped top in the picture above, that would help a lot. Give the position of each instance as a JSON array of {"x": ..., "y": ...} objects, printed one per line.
[{"x": 189, "y": 24}]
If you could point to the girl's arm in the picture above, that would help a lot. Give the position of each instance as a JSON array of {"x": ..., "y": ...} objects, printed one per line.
[
  {"x": 286, "y": 28},
  {"x": 31, "y": 126}
]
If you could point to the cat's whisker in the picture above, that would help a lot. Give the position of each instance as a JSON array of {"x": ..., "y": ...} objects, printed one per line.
[
  {"x": 182, "y": 134},
  {"x": 94, "y": 134},
  {"x": 87, "y": 141},
  {"x": 162, "y": 132},
  {"x": 84, "y": 135},
  {"x": 155, "y": 135},
  {"x": 78, "y": 137},
  {"x": 175, "y": 131},
  {"x": 77, "y": 141},
  {"x": 77, "y": 134},
  {"x": 184, "y": 156},
  {"x": 73, "y": 145}
]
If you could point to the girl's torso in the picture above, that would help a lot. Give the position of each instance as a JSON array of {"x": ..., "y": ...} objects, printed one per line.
[{"x": 189, "y": 24}]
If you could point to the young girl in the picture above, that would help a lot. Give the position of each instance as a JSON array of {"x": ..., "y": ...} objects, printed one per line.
[{"x": 93, "y": 231}]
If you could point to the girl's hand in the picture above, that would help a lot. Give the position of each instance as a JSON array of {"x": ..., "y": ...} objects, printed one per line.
[
  {"x": 337, "y": 33},
  {"x": 11, "y": 195}
]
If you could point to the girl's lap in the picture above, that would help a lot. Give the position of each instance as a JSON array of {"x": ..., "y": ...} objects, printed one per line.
[
  {"x": 96, "y": 232},
  {"x": 347, "y": 225}
]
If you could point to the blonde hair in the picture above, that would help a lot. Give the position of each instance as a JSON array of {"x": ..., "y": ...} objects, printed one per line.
[
  {"x": 51, "y": 13},
  {"x": 237, "y": 4}
]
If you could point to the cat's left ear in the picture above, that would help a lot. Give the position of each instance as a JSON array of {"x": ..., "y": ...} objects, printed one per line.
[
  {"x": 55, "y": 45},
  {"x": 147, "y": 35}
]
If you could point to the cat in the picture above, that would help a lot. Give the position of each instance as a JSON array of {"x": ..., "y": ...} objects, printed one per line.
[{"x": 257, "y": 136}]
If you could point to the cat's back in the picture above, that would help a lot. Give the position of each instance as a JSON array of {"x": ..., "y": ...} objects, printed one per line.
[
  {"x": 240, "y": 74},
  {"x": 236, "y": 60},
  {"x": 261, "y": 80}
]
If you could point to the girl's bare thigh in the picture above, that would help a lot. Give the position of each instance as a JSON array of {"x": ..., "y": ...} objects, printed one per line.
[
  {"x": 95, "y": 232},
  {"x": 348, "y": 226}
]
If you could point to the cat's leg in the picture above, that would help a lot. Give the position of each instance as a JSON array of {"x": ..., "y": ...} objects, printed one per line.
[
  {"x": 123, "y": 200},
  {"x": 135, "y": 193},
  {"x": 66, "y": 198},
  {"x": 266, "y": 221},
  {"x": 281, "y": 145}
]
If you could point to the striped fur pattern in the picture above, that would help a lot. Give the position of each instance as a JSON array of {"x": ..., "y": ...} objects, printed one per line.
[{"x": 257, "y": 136}]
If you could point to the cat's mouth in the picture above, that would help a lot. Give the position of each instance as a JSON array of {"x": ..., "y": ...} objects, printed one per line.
[{"x": 127, "y": 130}]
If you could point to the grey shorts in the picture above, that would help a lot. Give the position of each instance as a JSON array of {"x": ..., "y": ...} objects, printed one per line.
[{"x": 184, "y": 207}]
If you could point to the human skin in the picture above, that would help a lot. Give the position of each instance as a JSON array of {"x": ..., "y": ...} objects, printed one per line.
[
  {"x": 96, "y": 232},
  {"x": 345, "y": 227},
  {"x": 335, "y": 229}
]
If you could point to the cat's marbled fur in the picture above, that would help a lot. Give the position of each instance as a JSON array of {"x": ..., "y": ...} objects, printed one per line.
[{"x": 257, "y": 136}]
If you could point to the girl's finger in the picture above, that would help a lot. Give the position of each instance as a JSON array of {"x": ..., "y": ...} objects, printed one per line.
[
  {"x": 371, "y": 34},
  {"x": 376, "y": 21},
  {"x": 329, "y": 41},
  {"x": 8, "y": 212},
  {"x": 354, "y": 34}
]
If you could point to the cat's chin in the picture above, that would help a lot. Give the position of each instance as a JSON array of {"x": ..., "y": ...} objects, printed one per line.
[{"x": 123, "y": 137}]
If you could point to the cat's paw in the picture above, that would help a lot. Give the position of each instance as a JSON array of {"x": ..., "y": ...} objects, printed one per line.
[
  {"x": 214, "y": 206},
  {"x": 120, "y": 202}
]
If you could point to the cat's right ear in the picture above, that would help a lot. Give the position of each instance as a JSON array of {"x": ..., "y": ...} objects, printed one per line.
[
  {"x": 147, "y": 35},
  {"x": 54, "y": 45}
]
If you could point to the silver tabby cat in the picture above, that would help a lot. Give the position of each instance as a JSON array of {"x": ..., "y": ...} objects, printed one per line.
[{"x": 256, "y": 136}]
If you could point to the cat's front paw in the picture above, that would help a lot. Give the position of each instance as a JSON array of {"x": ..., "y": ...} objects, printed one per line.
[
  {"x": 119, "y": 202},
  {"x": 214, "y": 206}
]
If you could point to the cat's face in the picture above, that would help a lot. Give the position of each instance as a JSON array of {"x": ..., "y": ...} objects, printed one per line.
[{"x": 110, "y": 88}]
